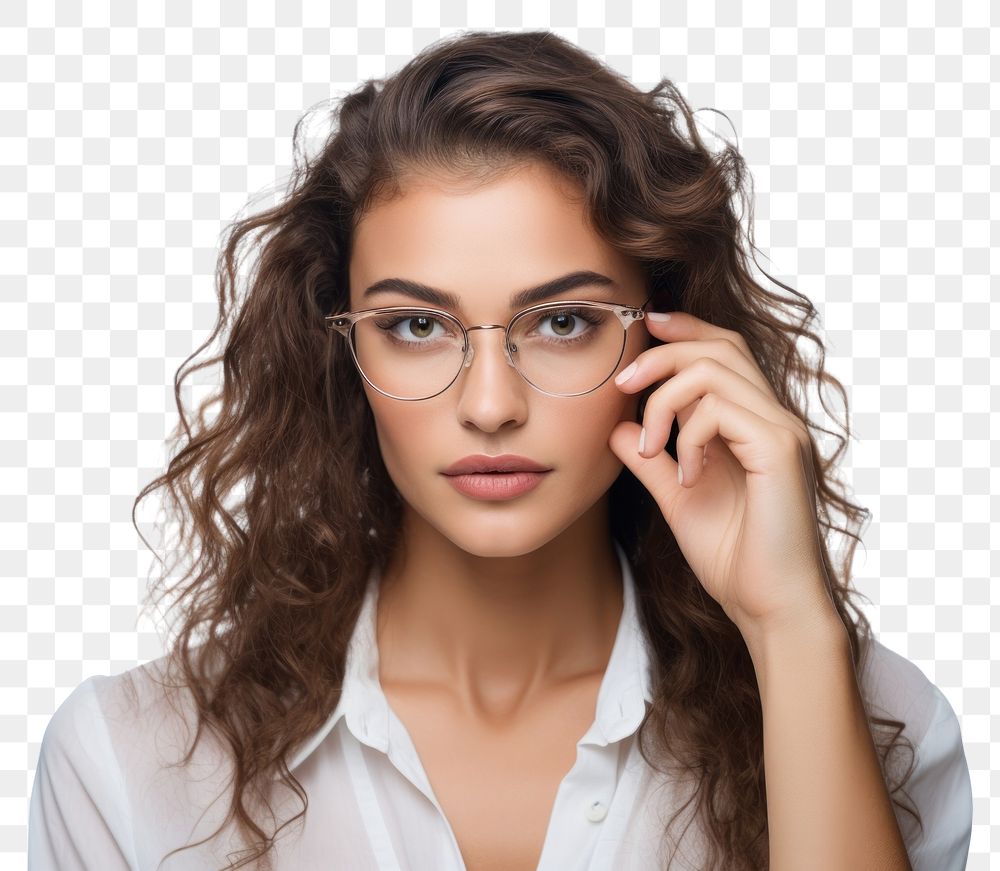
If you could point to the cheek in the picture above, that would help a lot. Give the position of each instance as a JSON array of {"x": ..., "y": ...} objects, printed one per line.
[
  {"x": 414, "y": 440},
  {"x": 594, "y": 421},
  {"x": 622, "y": 406},
  {"x": 403, "y": 429}
]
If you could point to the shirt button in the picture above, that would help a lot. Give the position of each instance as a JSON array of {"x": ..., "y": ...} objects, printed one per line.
[{"x": 596, "y": 811}]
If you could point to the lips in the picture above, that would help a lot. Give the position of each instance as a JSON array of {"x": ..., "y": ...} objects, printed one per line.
[
  {"x": 481, "y": 463},
  {"x": 493, "y": 486}
]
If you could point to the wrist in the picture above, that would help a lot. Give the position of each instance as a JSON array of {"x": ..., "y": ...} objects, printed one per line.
[{"x": 796, "y": 634}]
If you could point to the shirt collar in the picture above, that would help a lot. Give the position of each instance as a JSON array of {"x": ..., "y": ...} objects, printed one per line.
[{"x": 621, "y": 699}]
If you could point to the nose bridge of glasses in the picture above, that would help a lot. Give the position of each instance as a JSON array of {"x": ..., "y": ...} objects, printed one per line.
[{"x": 471, "y": 352}]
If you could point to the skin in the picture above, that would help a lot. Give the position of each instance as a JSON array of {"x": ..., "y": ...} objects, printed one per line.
[{"x": 496, "y": 620}]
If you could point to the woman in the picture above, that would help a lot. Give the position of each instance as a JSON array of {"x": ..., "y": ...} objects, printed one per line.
[{"x": 555, "y": 597}]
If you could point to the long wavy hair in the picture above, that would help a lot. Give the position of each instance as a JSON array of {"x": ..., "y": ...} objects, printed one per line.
[{"x": 283, "y": 496}]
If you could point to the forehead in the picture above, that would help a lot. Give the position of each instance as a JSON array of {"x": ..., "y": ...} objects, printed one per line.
[{"x": 482, "y": 240}]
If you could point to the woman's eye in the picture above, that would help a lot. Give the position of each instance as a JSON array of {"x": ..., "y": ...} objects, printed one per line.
[
  {"x": 419, "y": 327},
  {"x": 563, "y": 324},
  {"x": 568, "y": 325},
  {"x": 414, "y": 329}
]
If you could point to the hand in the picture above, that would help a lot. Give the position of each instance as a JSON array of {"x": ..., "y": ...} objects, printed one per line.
[{"x": 746, "y": 519}]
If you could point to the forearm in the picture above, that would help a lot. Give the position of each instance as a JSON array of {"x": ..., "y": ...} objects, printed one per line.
[{"x": 827, "y": 803}]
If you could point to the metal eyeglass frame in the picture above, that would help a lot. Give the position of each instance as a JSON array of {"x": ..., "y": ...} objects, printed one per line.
[{"x": 343, "y": 323}]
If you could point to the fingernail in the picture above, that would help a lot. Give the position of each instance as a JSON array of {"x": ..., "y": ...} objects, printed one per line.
[
  {"x": 642, "y": 439},
  {"x": 680, "y": 474},
  {"x": 626, "y": 373},
  {"x": 659, "y": 317}
]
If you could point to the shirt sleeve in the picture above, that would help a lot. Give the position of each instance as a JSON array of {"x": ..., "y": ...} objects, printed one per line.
[
  {"x": 79, "y": 816},
  {"x": 941, "y": 789}
]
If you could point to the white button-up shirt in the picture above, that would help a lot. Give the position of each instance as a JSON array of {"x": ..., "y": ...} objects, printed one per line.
[{"x": 104, "y": 799}]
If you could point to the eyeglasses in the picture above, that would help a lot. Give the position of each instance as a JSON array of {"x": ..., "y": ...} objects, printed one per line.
[{"x": 565, "y": 348}]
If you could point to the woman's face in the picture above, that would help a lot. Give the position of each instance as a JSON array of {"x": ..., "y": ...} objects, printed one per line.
[{"x": 484, "y": 243}]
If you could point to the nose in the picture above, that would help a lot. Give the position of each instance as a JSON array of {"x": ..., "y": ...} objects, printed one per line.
[{"x": 492, "y": 392}]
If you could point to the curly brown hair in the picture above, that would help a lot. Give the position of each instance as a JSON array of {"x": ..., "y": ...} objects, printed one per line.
[{"x": 268, "y": 604}]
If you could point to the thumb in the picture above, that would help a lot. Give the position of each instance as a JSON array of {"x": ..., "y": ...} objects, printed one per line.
[{"x": 658, "y": 474}]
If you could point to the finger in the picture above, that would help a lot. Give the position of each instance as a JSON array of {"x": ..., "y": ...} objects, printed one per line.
[
  {"x": 683, "y": 327},
  {"x": 658, "y": 474},
  {"x": 760, "y": 445},
  {"x": 664, "y": 361},
  {"x": 684, "y": 390}
]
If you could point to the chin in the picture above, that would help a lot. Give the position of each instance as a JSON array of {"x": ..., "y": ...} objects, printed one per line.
[
  {"x": 509, "y": 538},
  {"x": 496, "y": 549},
  {"x": 489, "y": 533}
]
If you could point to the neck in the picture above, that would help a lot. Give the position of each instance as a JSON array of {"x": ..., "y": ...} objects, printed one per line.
[{"x": 498, "y": 632}]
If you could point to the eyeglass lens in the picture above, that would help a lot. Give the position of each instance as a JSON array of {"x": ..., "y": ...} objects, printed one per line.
[{"x": 416, "y": 354}]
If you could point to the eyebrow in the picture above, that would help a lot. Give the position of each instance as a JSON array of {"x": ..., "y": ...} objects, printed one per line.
[{"x": 521, "y": 299}]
